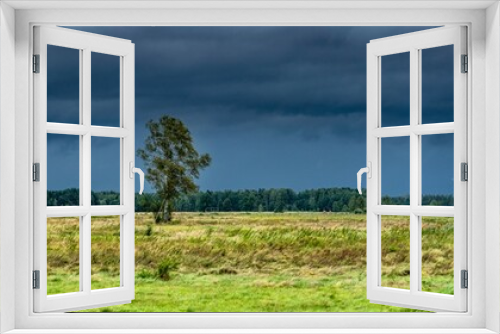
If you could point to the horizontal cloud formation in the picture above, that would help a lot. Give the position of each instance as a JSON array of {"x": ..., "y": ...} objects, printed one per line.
[{"x": 274, "y": 106}]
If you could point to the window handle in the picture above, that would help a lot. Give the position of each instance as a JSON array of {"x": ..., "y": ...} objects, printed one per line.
[
  {"x": 368, "y": 171},
  {"x": 141, "y": 175}
]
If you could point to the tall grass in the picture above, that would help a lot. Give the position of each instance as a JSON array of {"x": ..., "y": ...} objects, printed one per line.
[{"x": 255, "y": 262}]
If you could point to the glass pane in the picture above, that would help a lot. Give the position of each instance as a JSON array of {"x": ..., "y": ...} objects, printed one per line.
[
  {"x": 437, "y": 169},
  {"x": 63, "y": 255},
  {"x": 437, "y": 84},
  {"x": 63, "y": 85},
  {"x": 105, "y": 171},
  {"x": 395, "y": 94},
  {"x": 395, "y": 168},
  {"x": 395, "y": 233},
  {"x": 63, "y": 170},
  {"x": 437, "y": 254},
  {"x": 105, "y": 89},
  {"x": 105, "y": 233}
]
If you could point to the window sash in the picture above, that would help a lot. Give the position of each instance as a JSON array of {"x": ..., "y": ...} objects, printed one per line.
[
  {"x": 413, "y": 43},
  {"x": 87, "y": 43}
]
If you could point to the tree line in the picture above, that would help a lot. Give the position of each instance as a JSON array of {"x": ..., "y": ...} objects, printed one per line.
[{"x": 265, "y": 200}]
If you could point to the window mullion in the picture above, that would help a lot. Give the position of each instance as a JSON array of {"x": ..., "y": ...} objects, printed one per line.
[
  {"x": 81, "y": 185},
  {"x": 421, "y": 130},
  {"x": 85, "y": 179},
  {"x": 415, "y": 169}
]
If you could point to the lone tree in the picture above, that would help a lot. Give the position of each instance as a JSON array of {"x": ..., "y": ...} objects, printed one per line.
[{"x": 172, "y": 163}]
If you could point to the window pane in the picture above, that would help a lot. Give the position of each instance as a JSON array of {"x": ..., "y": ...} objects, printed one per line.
[
  {"x": 437, "y": 254},
  {"x": 437, "y": 169},
  {"x": 105, "y": 171},
  {"x": 395, "y": 233},
  {"x": 395, "y": 94},
  {"x": 105, "y": 233},
  {"x": 63, "y": 255},
  {"x": 395, "y": 168},
  {"x": 63, "y": 85},
  {"x": 105, "y": 89},
  {"x": 63, "y": 170},
  {"x": 437, "y": 84}
]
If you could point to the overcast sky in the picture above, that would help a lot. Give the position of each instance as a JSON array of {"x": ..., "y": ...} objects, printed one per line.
[{"x": 273, "y": 106}]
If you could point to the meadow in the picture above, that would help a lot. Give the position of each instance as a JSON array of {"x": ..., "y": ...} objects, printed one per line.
[{"x": 251, "y": 262}]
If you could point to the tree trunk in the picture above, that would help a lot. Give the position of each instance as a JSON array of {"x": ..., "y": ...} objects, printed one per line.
[
  {"x": 163, "y": 215},
  {"x": 167, "y": 216}
]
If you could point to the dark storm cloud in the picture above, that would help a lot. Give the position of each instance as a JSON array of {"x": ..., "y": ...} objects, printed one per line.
[
  {"x": 63, "y": 85},
  {"x": 286, "y": 105},
  {"x": 280, "y": 70}
]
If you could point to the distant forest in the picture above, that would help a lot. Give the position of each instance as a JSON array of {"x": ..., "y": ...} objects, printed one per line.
[{"x": 266, "y": 200}]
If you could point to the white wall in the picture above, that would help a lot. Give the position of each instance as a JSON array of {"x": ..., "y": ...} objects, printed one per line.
[
  {"x": 492, "y": 157},
  {"x": 7, "y": 168}
]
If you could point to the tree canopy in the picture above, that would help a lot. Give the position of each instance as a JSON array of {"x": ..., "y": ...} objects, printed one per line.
[
  {"x": 172, "y": 162},
  {"x": 271, "y": 200}
]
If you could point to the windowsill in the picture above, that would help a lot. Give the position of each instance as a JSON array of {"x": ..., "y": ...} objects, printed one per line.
[{"x": 251, "y": 331}]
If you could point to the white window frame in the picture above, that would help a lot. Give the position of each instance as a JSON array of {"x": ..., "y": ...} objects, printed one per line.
[
  {"x": 414, "y": 44},
  {"x": 85, "y": 44},
  {"x": 16, "y": 126}
]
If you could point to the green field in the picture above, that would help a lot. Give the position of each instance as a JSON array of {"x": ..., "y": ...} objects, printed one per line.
[{"x": 251, "y": 262}]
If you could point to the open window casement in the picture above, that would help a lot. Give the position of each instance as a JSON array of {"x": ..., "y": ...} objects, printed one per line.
[
  {"x": 86, "y": 296},
  {"x": 414, "y": 295}
]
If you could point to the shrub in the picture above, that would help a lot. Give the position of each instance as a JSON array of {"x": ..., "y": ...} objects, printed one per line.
[
  {"x": 149, "y": 231},
  {"x": 165, "y": 268}
]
